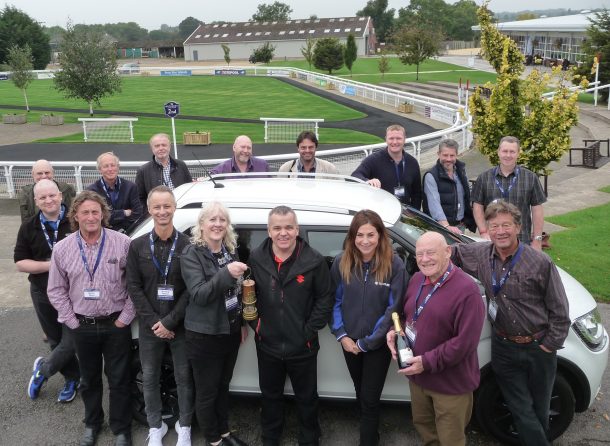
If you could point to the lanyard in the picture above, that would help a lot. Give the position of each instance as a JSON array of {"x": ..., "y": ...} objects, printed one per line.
[
  {"x": 420, "y": 308},
  {"x": 113, "y": 193},
  {"x": 400, "y": 172},
  {"x": 54, "y": 224},
  {"x": 497, "y": 286},
  {"x": 84, "y": 257},
  {"x": 510, "y": 186},
  {"x": 165, "y": 272}
]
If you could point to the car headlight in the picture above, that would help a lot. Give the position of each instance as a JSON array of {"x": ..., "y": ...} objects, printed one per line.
[{"x": 590, "y": 329}]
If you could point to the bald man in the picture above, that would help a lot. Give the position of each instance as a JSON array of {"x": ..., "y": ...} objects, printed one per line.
[
  {"x": 242, "y": 161},
  {"x": 42, "y": 170},
  {"x": 443, "y": 317}
]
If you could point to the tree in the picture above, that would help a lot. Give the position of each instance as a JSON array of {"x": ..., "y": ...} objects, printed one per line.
[
  {"x": 187, "y": 26},
  {"x": 415, "y": 45},
  {"x": 463, "y": 15},
  {"x": 384, "y": 64},
  {"x": 383, "y": 18},
  {"x": 425, "y": 14},
  {"x": 328, "y": 54},
  {"x": 516, "y": 107},
  {"x": 350, "y": 53},
  {"x": 17, "y": 28},
  {"x": 227, "y": 51},
  {"x": 263, "y": 53},
  {"x": 20, "y": 62},
  {"x": 598, "y": 42},
  {"x": 88, "y": 67},
  {"x": 526, "y": 16},
  {"x": 307, "y": 51},
  {"x": 276, "y": 12}
]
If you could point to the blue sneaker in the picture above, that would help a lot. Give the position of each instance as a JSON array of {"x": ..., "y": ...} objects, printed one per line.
[
  {"x": 37, "y": 380},
  {"x": 68, "y": 393}
]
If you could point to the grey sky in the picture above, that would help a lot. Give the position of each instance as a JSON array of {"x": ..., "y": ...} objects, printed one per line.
[{"x": 151, "y": 14}]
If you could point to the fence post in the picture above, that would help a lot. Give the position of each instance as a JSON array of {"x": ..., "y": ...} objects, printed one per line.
[
  {"x": 78, "y": 179},
  {"x": 10, "y": 184},
  {"x": 131, "y": 131},
  {"x": 266, "y": 124},
  {"x": 85, "y": 130}
]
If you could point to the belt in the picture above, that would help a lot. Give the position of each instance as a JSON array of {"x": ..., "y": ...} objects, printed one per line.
[
  {"x": 92, "y": 320},
  {"x": 521, "y": 339}
]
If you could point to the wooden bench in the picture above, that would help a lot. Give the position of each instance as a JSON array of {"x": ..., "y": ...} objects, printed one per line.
[{"x": 590, "y": 153}]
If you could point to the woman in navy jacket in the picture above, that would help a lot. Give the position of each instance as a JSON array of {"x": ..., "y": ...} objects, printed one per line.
[{"x": 369, "y": 282}]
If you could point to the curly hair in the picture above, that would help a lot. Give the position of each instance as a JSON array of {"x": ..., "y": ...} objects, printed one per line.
[
  {"x": 88, "y": 195},
  {"x": 209, "y": 210}
]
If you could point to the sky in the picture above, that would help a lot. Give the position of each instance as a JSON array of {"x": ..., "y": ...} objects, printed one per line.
[{"x": 151, "y": 14}]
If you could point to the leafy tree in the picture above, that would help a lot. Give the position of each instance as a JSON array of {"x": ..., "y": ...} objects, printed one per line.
[
  {"x": 463, "y": 15},
  {"x": 516, "y": 107},
  {"x": 383, "y": 18},
  {"x": 415, "y": 45},
  {"x": 328, "y": 54},
  {"x": 227, "y": 52},
  {"x": 425, "y": 14},
  {"x": 263, "y": 53},
  {"x": 350, "y": 52},
  {"x": 275, "y": 12},
  {"x": 384, "y": 64},
  {"x": 20, "y": 62},
  {"x": 187, "y": 26},
  {"x": 88, "y": 67},
  {"x": 526, "y": 16},
  {"x": 598, "y": 42},
  {"x": 307, "y": 51},
  {"x": 18, "y": 28},
  {"x": 159, "y": 34}
]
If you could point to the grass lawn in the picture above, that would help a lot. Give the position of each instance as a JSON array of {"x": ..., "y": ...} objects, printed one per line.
[
  {"x": 582, "y": 250},
  {"x": 366, "y": 69}
]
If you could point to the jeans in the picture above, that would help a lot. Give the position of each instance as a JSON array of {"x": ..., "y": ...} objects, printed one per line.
[
  {"x": 525, "y": 374},
  {"x": 368, "y": 371},
  {"x": 152, "y": 351},
  {"x": 103, "y": 345},
  {"x": 272, "y": 373},
  {"x": 212, "y": 358},
  {"x": 62, "y": 358}
]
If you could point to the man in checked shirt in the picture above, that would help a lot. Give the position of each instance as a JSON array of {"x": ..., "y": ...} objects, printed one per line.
[
  {"x": 528, "y": 309},
  {"x": 87, "y": 286}
]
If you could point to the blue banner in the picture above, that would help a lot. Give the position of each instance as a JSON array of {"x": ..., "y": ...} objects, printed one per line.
[{"x": 176, "y": 73}]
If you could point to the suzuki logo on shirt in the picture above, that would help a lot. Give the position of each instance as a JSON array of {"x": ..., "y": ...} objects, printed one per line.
[{"x": 300, "y": 278}]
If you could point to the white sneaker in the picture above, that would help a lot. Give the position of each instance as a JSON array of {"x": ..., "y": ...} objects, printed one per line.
[
  {"x": 156, "y": 434},
  {"x": 184, "y": 434}
]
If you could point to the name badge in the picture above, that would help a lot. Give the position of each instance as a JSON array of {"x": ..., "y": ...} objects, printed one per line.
[
  {"x": 91, "y": 294},
  {"x": 231, "y": 303},
  {"x": 399, "y": 191},
  {"x": 165, "y": 292},
  {"x": 492, "y": 309},
  {"x": 411, "y": 333}
]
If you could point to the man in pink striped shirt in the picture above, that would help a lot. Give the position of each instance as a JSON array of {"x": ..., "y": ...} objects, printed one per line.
[{"x": 87, "y": 286}]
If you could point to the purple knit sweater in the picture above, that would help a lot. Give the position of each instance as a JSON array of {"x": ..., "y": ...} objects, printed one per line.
[{"x": 448, "y": 332}]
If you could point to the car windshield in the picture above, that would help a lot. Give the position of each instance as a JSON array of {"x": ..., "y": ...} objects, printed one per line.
[{"x": 412, "y": 224}]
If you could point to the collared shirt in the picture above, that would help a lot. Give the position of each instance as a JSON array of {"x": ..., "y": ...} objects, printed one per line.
[
  {"x": 526, "y": 192},
  {"x": 434, "y": 198},
  {"x": 301, "y": 167},
  {"x": 166, "y": 169},
  {"x": 533, "y": 298},
  {"x": 68, "y": 279}
]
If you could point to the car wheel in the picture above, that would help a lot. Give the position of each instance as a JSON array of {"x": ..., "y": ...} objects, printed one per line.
[
  {"x": 492, "y": 414},
  {"x": 169, "y": 394}
]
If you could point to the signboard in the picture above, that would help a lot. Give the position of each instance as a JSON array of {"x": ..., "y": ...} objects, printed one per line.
[
  {"x": 280, "y": 73},
  {"x": 176, "y": 73},
  {"x": 348, "y": 90},
  {"x": 438, "y": 114},
  {"x": 172, "y": 109},
  {"x": 227, "y": 72}
]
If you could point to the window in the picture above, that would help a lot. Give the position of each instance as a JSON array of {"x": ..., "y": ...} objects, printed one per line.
[
  {"x": 311, "y": 31},
  {"x": 224, "y": 25},
  {"x": 281, "y": 33},
  {"x": 257, "y": 33},
  {"x": 248, "y": 34},
  {"x": 301, "y": 31},
  {"x": 337, "y": 30},
  {"x": 197, "y": 36},
  {"x": 215, "y": 35},
  {"x": 331, "y": 20},
  {"x": 206, "y": 36},
  {"x": 247, "y": 240},
  {"x": 327, "y": 243},
  {"x": 215, "y": 26},
  {"x": 291, "y": 32},
  {"x": 267, "y": 33},
  {"x": 347, "y": 30},
  {"x": 238, "y": 34},
  {"x": 326, "y": 31},
  {"x": 358, "y": 29},
  {"x": 224, "y": 35},
  {"x": 342, "y": 19}
]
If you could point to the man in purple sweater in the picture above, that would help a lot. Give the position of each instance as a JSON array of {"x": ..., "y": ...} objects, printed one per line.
[
  {"x": 444, "y": 315},
  {"x": 242, "y": 159}
]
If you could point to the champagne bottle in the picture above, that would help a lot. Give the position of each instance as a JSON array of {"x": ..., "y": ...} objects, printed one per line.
[{"x": 403, "y": 352}]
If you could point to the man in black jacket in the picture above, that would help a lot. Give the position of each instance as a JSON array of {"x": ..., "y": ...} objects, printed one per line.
[
  {"x": 161, "y": 170},
  {"x": 392, "y": 169},
  {"x": 154, "y": 282},
  {"x": 446, "y": 190},
  {"x": 294, "y": 302}
]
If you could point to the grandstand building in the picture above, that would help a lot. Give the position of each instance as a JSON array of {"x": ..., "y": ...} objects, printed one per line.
[{"x": 288, "y": 37}]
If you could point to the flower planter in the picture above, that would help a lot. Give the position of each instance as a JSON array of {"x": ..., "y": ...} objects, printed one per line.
[
  {"x": 405, "y": 108},
  {"x": 14, "y": 119},
  {"x": 196, "y": 138},
  {"x": 51, "y": 120},
  {"x": 330, "y": 86}
]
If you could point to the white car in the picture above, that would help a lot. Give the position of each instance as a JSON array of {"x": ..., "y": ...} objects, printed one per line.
[
  {"x": 129, "y": 68},
  {"x": 325, "y": 207}
]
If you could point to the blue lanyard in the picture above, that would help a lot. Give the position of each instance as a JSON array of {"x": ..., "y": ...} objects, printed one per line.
[
  {"x": 54, "y": 224},
  {"x": 165, "y": 272},
  {"x": 510, "y": 186},
  {"x": 402, "y": 167},
  {"x": 497, "y": 286},
  {"x": 84, "y": 257},
  {"x": 113, "y": 196},
  {"x": 420, "y": 308}
]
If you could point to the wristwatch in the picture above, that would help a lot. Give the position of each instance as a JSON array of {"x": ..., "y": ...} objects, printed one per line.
[{"x": 538, "y": 238}]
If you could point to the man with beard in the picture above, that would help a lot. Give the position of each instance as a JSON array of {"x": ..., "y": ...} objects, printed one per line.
[
  {"x": 307, "y": 143},
  {"x": 242, "y": 161}
]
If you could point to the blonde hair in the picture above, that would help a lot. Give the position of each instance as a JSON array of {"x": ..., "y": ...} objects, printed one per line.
[{"x": 230, "y": 239}]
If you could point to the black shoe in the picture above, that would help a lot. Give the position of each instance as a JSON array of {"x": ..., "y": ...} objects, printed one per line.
[
  {"x": 90, "y": 436},
  {"x": 122, "y": 440},
  {"x": 233, "y": 440}
]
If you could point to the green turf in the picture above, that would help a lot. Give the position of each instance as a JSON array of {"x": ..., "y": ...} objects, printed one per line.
[
  {"x": 582, "y": 249},
  {"x": 605, "y": 189}
]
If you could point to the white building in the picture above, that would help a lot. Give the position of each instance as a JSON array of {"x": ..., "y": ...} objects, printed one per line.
[{"x": 288, "y": 37}]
